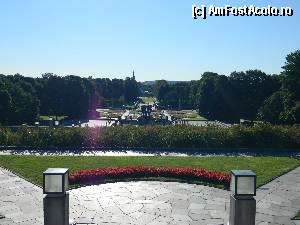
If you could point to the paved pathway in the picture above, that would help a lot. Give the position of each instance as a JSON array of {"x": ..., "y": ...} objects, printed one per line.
[
  {"x": 20, "y": 201},
  {"x": 154, "y": 203}
]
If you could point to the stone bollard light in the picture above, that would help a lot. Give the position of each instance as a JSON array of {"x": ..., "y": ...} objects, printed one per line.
[
  {"x": 56, "y": 198},
  {"x": 242, "y": 202}
]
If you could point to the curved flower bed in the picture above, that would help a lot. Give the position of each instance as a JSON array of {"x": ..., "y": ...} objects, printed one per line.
[{"x": 95, "y": 176}]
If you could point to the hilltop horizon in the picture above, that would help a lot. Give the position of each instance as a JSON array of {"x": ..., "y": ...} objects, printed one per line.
[{"x": 147, "y": 81}]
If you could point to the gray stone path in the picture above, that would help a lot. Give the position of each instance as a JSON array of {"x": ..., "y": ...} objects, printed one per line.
[
  {"x": 154, "y": 203},
  {"x": 158, "y": 203},
  {"x": 20, "y": 201}
]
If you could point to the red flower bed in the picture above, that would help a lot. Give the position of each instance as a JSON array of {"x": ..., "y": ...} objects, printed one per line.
[{"x": 99, "y": 175}]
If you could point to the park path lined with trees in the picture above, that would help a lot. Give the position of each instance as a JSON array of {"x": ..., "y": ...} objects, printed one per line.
[{"x": 250, "y": 95}]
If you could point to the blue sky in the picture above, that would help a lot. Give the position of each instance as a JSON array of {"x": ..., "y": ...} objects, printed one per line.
[{"x": 158, "y": 39}]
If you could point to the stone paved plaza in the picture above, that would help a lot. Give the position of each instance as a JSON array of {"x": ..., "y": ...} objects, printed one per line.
[
  {"x": 156, "y": 203},
  {"x": 152, "y": 203}
]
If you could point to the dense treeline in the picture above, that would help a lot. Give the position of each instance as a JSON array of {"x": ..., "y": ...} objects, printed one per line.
[
  {"x": 251, "y": 95},
  {"x": 237, "y": 136},
  {"x": 23, "y": 99}
]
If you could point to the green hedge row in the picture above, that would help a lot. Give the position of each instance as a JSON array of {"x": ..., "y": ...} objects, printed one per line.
[{"x": 258, "y": 136}]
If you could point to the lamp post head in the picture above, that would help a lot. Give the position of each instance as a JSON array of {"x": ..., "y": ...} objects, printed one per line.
[
  {"x": 56, "y": 181},
  {"x": 243, "y": 183}
]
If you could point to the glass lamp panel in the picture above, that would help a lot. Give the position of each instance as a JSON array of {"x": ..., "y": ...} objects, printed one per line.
[
  {"x": 66, "y": 181},
  {"x": 232, "y": 184},
  {"x": 245, "y": 186},
  {"x": 53, "y": 183}
]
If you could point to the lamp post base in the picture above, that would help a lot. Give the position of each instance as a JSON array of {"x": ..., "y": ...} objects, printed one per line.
[
  {"x": 242, "y": 210},
  {"x": 56, "y": 209}
]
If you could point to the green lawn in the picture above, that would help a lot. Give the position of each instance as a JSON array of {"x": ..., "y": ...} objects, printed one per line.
[
  {"x": 298, "y": 214},
  {"x": 32, "y": 167},
  {"x": 148, "y": 99}
]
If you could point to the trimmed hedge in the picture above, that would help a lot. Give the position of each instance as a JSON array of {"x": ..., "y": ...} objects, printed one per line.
[{"x": 258, "y": 136}]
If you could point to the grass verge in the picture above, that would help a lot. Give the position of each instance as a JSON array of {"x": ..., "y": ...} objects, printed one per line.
[
  {"x": 32, "y": 167},
  {"x": 148, "y": 99},
  {"x": 298, "y": 215}
]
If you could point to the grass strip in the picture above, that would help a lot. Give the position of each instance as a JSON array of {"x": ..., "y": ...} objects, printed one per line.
[{"x": 32, "y": 167}]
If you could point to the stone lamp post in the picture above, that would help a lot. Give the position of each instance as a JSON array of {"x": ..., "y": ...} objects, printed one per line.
[
  {"x": 242, "y": 202},
  {"x": 56, "y": 196}
]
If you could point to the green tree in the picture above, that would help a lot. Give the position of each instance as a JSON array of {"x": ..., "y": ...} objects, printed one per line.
[
  {"x": 217, "y": 100},
  {"x": 251, "y": 88},
  {"x": 283, "y": 106},
  {"x": 5, "y": 104},
  {"x": 291, "y": 75},
  {"x": 160, "y": 89},
  {"x": 277, "y": 109},
  {"x": 131, "y": 90}
]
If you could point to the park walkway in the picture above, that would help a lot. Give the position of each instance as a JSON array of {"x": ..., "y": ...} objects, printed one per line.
[
  {"x": 155, "y": 203},
  {"x": 20, "y": 201}
]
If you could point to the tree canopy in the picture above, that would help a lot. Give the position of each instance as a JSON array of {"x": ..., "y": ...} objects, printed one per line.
[
  {"x": 23, "y": 99},
  {"x": 282, "y": 107},
  {"x": 250, "y": 95}
]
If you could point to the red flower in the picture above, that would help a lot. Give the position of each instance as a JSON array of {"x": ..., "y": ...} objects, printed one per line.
[{"x": 100, "y": 174}]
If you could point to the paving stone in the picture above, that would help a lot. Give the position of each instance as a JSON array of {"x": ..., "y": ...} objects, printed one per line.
[
  {"x": 260, "y": 217},
  {"x": 296, "y": 222},
  {"x": 214, "y": 222},
  {"x": 146, "y": 219},
  {"x": 7, "y": 221},
  {"x": 196, "y": 206},
  {"x": 197, "y": 223},
  {"x": 263, "y": 223},
  {"x": 154, "y": 203},
  {"x": 284, "y": 220},
  {"x": 198, "y": 216},
  {"x": 31, "y": 222},
  {"x": 181, "y": 219},
  {"x": 157, "y": 223},
  {"x": 214, "y": 207}
]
